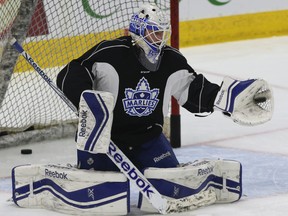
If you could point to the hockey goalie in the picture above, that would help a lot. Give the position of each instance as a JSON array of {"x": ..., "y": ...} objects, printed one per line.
[{"x": 122, "y": 90}]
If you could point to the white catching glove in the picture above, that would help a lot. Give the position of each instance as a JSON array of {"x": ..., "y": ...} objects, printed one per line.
[{"x": 248, "y": 102}]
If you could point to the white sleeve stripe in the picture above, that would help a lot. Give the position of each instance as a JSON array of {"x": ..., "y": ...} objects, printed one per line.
[
  {"x": 63, "y": 81},
  {"x": 106, "y": 78},
  {"x": 177, "y": 85},
  {"x": 97, "y": 51},
  {"x": 91, "y": 78},
  {"x": 200, "y": 95}
]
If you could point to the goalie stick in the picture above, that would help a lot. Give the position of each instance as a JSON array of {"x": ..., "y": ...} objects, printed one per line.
[
  {"x": 38, "y": 69},
  {"x": 162, "y": 204}
]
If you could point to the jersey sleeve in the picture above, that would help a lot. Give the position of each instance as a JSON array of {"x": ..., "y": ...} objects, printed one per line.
[
  {"x": 192, "y": 91},
  {"x": 91, "y": 71},
  {"x": 77, "y": 75},
  {"x": 73, "y": 80},
  {"x": 201, "y": 95}
]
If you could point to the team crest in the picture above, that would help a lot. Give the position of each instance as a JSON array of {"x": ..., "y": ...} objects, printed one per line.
[{"x": 142, "y": 101}]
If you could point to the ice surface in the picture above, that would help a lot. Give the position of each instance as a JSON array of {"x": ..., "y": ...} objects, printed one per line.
[{"x": 263, "y": 150}]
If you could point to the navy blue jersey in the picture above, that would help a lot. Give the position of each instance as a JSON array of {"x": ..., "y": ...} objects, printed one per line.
[{"x": 141, "y": 96}]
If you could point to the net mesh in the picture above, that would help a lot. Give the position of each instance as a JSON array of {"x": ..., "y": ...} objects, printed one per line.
[{"x": 53, "y": 33}]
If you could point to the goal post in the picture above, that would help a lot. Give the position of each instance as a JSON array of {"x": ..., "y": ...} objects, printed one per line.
[
  {"x": 53, "y": 33},
  {"x": 175, "y": 121}
]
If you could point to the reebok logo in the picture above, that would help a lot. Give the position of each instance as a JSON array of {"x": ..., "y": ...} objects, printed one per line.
[
  {"x": 127, "y": 168},
  {"x": 83, "y": 123},
  {"x": 220, "y": 97},
  {"x": 55, "y": 174},
  {"x": 36, "y": 67},
  {"x": 161, "y": 157},
  {"x": 205, "y": 171}
]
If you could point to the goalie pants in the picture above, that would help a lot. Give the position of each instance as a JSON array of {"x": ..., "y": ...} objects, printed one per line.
[{"x": 154, "y": 153}]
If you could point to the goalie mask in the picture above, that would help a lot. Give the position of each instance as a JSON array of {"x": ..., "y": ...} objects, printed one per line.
[{"x": 150, "y": 29}]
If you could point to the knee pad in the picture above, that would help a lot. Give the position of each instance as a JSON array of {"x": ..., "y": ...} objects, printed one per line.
[{"x": 95, "y": 121}]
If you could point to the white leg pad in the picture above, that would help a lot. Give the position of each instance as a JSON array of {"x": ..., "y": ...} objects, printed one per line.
[
  {"x": 70, "y": 190},
  {"x": 222, "y": 178}
]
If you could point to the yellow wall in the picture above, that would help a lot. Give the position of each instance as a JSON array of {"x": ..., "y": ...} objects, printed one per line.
[
  {"x": 231, "y": 28},
  {"x": 196, "y": 32},
  {"x": 58, "y": 52}
]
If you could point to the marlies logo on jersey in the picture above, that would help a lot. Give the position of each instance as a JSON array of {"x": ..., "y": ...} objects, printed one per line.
[{"x": 142, "y": 101}]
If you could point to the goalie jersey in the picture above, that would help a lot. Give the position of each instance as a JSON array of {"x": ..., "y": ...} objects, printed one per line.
[{"x": 142, "y": 97}]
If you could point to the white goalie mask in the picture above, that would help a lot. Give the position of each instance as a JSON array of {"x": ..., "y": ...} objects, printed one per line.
[{"x": 150, "y": 29}]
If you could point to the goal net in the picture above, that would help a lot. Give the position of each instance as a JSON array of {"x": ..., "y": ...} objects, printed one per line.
[{"x": 53, "y": 33}]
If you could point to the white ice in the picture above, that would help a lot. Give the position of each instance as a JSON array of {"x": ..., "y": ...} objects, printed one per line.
[{"x": 262, "y": 150}]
